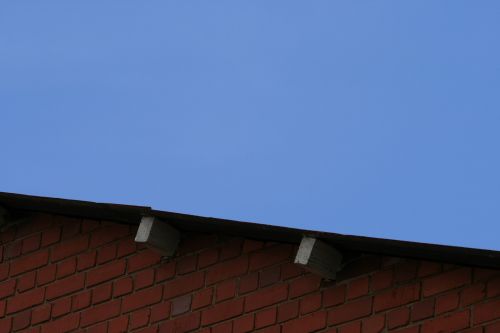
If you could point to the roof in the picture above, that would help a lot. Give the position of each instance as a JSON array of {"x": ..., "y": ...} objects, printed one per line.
[{"x": 19, "y": 203}]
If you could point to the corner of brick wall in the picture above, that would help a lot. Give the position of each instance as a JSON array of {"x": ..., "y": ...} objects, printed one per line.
[{"x": 59, "y": 274}]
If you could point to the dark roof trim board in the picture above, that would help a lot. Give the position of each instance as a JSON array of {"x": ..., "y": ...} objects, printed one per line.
[{"x": 19, "y": 203}]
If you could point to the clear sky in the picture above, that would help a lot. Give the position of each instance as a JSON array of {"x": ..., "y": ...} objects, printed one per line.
[{"x": 377, "y": 118}]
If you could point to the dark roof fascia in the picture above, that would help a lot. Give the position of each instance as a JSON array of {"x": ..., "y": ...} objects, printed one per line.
[{"x": 191, "y": 223}]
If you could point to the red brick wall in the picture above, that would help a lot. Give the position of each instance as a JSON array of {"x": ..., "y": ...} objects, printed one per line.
[{"x": 60, "y": 274}]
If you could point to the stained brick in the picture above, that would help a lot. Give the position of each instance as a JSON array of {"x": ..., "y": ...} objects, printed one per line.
[
  {"x": 184, "y": 284},
  {"x": 269, "y": 256},
  {"x": 446, "y": 281},
  {"x": 227, "y": 269}
]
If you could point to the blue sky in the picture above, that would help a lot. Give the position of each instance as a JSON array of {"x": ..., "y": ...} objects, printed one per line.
[{"x": 376, "y": 118}]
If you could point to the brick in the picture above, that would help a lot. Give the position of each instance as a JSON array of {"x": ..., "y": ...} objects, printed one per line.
[
  {"x": 351, "y": 328},
  {"x": 21, "y": 321},
  {"x": 193, "y": 242},
  {"x": 287, "y": 311},
  {"x": 227, "y": 269},
  {"x": 70, "y": 248},
  {"x": 186, "y": 264},
  {"x": 107, "y": 234},
  {"x": 270, "y": 256},
  {"x": 446, "y": 281},
  {"x": 310, "y": 303},
  {"x": 144, "y": 279},
  {"x": 31, "y": 243},
  {"x": 446, "y": 303},
  {"x": 350, "y": 311},
  {"x": 472, "y": 294},
  {"x": 492, "y": 328},
  {"x": 64, "y": 324},
  {"x": 231, "y": 249},
  {"x": 61, "y": 307},
  {"x": 202, "y": 299},
  {"x": 122, "y": 287},
  {"x": 405, "y": 271},
  {"x": 106, "y": 272},
  {"x": 223, "y": 328},
  {"x": 222, "y": 311},
  {"x": 165, "y": 271},
  {"x": 487, "y": 311},
  {"x": 66, "y": 267},
  {"x": 142, "y": 298},
  {"x": 248, "y": 283},
  {"x": 250, "y": 245},
  {"x": 51, "y": 236},
  {"x": 397, "y": 318},
  {"x": 46, "y": 275},
  {"x": 99, "y": 328},
  {"x": 86, "y": 260},
  {"x": 374, "y": 324},
  {"x": 334, "y": 296},
  {"x": 7, "y": 288},
  {"x": 225, "y": 290},
  {"x": 427, "y": 268},
  {"x": 208, "y": 257},
  {"x": 484, "y": 274},
  {"x": 5, "y": 325},
  {"x": 381, "y": 280},
  {"x": 101, "y": 293},
  {"x": 160, "y": 312},
  {"x": 12, "y": 250},
  {"x": 125, "y": 247},
  {"x": 396, "y": 297},
  {"x": 81, "y": 301},
  {"x": 65, "y": 286},
  {"x": 422, "y": 310},
  {"x": 451, "y": 323},
  {"x": 184, "y": 284},
  {"x": 26, "y": 282},
  {"x": 266, "y": 297},
  {"x": 304, "y": 285},
  {"x": 265, "y": 318},
  {"x": 186, "y": 323},
  {"x": 139, "y": 319},
  {"x": 25, "y": 300},
  {"x": 4, "y": 270},
  {"x": 106, "y": 253},
  {"x": 40, "y": 314},
  {"x": 118, "y": 325},
  {"x": 290, "y": 270},
  {"x": 180, "y": 305},
  {"x": 3, "y": 305},
  {"x": 100, "y": 313},
  {"x": 358, "y": 288},
  {"x": 269, "y": 276},
  {"x": 244, "y": 324},
  {"x": 493, "y": 288},
  {"x": 146, "y": 258},
  {"x": 363, "y": 265},
  {"x": 29, "y": 262},
  {"x": 310, "y": 323},
  {"x": 271, "y": 329}
]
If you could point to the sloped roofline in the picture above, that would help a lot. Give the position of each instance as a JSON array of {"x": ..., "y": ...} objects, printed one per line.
[{"x": 20, "y": 203}]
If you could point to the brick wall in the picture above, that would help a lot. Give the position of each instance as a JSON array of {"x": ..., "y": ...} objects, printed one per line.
[{"x": 59, "y": 274}]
